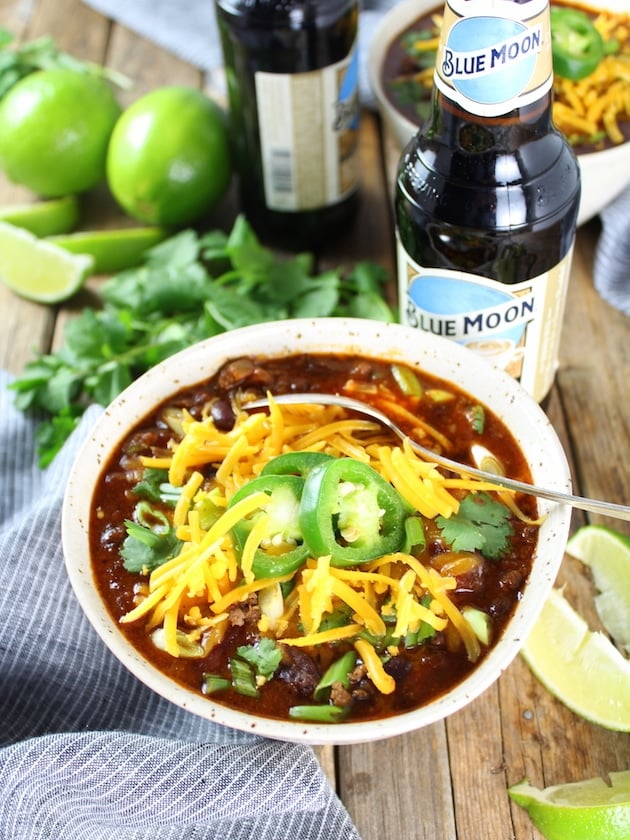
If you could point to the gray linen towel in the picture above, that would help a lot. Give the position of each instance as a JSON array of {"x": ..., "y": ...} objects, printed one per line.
[
  {"x": 612, "y": 254},
  {"x": 86, "y": 751}
]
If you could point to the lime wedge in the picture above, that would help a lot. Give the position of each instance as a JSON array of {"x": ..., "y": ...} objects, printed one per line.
[
  {"x": 581, "y": 668},
  {"x": 112, "y": 250},
  {"x": 38, "y": 270},
  {"x": 588, "y": 810},
  {"x": 44, "y": 218},
  {"x": 607, "y": 552}
]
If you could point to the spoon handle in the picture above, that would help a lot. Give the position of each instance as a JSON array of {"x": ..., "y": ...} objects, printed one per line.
[{"x": 580, "y": 502}]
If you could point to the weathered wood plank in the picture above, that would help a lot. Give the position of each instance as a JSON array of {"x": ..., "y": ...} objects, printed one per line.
[{"x": 400, "y": 788}]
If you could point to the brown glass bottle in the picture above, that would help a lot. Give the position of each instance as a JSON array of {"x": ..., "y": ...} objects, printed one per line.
[
  {"x": 491, "y": 197},
  {"x": 295, "y": 188}
]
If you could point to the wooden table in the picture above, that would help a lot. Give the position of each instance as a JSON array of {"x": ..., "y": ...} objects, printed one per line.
[{"x": 450, "y": 779}]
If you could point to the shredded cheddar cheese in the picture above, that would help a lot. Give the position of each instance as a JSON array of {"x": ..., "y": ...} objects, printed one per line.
[
  {"x": 591, "y": 109},
  {"x": 198, "y": 587}
]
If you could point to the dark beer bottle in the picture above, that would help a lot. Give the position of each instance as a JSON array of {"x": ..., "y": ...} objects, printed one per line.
[
  {"x": 487, "y": 194},
  {"x": 292, "y": 80}
]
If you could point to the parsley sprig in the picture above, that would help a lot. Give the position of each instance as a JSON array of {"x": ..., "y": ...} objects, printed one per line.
[{"x": 190, "y": 287}]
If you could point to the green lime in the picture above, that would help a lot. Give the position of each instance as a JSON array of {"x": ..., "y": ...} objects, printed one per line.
[
  {"x": 54, "y": 130},
  {"x": 38, "y": 270},
  {"x": 112, "y": 250},
  {"x": 580, "y": 667},
  {"x": 588, "y": 810},
  {"x": 607, "y": 552},
  {"x": 169, "y": 157},
  {"x": 44, "y": 218}
]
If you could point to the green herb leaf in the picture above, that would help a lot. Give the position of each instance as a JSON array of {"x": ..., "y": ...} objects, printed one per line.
[
  {"x": 188, "y": 289},
  {"x": 481, "y": 524},
  {"x": 144, "y": 550},
  {"x": 264, "y": 656},
  {"x": 154, "y": 487}
]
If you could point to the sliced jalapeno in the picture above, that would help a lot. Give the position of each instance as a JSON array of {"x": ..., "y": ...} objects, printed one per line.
[
  {"x": 350, "y": 512},
  {"x": 295, "y": 463},
  {"x": 576, "y": 45},
  {"x": 282, "y": 549}
]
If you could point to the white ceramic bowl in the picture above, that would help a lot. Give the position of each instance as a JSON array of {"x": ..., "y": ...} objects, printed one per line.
[
  {"x": 436, "y": 355},
  {"x": 604, "y": 174}
]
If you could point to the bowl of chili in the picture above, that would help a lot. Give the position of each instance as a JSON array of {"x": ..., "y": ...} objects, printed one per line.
[
  {"x": 295, "y": 571},
  {"x": 591, "y": 56}
]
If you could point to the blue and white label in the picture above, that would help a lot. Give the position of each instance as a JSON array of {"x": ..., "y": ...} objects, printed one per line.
[
  {"x": 466, "y": 310},
  {"x": 492, "y": 64},
  {"x": 495, "y": 71},
  {"x": 514, "y": 326}
]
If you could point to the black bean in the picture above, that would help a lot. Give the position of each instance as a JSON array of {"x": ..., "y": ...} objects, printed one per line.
[{"x": 222, "y": 414}]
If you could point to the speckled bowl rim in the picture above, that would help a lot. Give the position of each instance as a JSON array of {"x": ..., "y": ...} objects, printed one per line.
[{"x": 431, "y": 353}]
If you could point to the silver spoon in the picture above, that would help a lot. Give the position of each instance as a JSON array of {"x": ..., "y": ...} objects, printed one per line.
[{"x": 592, "y": 505}]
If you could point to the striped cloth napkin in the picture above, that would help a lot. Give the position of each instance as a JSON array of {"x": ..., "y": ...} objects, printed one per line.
[{"x": 86, "y": 751}]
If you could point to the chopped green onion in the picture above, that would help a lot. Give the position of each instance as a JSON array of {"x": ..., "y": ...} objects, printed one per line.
[
  {"x": 414, "y": 535},
  {"x": 212, "y": 683},
  {"x": 407, "y": 381},
  {"x": 243, "y": 677},
  {"x": 319, "y": 714},
  {"x": 477, "y": 418},
  {"x": 338, "y": 672}
]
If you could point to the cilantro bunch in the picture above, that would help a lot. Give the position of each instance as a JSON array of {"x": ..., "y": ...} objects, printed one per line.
[{"x": 190, "y": 287}]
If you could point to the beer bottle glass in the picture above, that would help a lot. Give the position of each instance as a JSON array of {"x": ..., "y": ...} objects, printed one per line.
[
  {"x": 292, "y": 80},
  {"x": 487, "y": 194}
]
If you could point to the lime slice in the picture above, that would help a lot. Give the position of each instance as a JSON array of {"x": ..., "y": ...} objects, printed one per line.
[
  {"x": 607, "y": 552},
  {"x": 44, "y": 218},
  {"x": 581, "y": 668},
  {"x": 38, "y": 270},
  {"x": 588, "y": 810},
  {"x": 112, "y": 250}
]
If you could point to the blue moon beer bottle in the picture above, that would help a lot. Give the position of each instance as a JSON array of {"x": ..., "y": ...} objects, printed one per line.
[
  {"x": 292, "y": 80},
  {"x": 487, "y": 194}
]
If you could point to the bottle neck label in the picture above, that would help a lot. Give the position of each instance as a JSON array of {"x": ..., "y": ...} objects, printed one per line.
[
  {"x": 308, "y": 124},
  {"x": 515, "y": 327},
  {"x": 494, "y": 56}
]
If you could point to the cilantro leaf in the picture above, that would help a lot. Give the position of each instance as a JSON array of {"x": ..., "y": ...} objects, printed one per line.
[
  {"x": 264, "y": 656},
  {"x": 189, "y": 288},
  {"x": 154, "y": 487},
  {"x": 481, "y": 524},
  {"x": 144, "y": 549}
]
